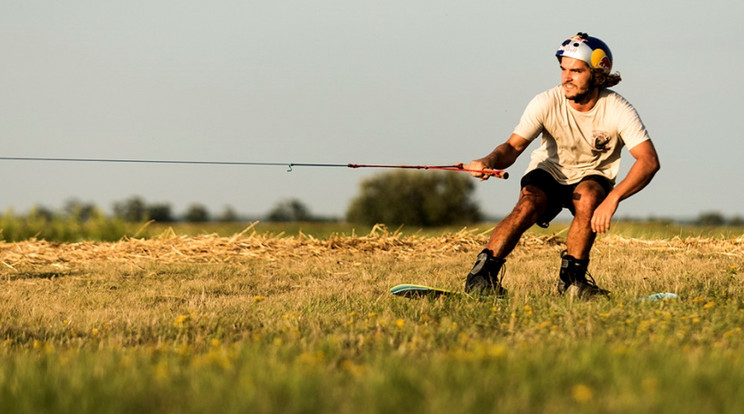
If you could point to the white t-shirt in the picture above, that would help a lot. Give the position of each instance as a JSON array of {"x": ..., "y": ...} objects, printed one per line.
[{"x": 577, "y": 144}]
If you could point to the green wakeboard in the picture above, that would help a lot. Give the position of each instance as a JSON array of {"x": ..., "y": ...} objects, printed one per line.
[{"x": 412, "y": 291}]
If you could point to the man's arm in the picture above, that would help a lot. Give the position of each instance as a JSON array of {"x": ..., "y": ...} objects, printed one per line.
[
  {"x": 501, "y": 157},
  {"x": 645, "y": 166}
]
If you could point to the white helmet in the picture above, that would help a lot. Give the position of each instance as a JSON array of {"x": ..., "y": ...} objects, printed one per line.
[{"x": 589, "y": 49}]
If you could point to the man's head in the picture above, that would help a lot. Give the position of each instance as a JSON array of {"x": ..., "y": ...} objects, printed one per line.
[{"x": 584, "y": 51}]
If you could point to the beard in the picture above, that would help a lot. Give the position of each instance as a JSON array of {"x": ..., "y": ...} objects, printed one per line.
[{"x": 581, "y": 96}]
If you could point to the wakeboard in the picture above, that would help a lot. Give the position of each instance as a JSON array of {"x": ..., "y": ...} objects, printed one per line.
[{"x": 412, "y": 291}]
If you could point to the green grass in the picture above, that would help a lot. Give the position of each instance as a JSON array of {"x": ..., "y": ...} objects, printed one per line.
[{"x": 306, "y": 327}]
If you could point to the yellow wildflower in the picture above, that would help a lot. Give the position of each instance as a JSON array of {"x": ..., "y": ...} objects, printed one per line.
[{"x": 582, "y": 393}]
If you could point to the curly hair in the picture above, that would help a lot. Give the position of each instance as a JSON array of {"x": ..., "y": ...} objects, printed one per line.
[{"x": 601, "y": 79}]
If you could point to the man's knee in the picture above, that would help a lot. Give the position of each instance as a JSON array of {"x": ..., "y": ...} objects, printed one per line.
[
  {"x": 532, "y": 203},
  {"x": 588, "y": 195}
]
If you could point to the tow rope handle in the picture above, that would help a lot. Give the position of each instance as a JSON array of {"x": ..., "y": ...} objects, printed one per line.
[{"x": 456, "y": 167}]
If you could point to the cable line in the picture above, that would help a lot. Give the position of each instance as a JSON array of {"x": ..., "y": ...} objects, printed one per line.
[{"x": 455, "y": 167}]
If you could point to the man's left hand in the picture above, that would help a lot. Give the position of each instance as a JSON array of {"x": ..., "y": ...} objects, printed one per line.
[{"x": 603, "y": 215}]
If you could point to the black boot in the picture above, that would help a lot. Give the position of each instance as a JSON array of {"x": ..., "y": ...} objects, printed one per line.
[
  {"x": 484, "y": 278},
  {"x": 576, "y": 280}
]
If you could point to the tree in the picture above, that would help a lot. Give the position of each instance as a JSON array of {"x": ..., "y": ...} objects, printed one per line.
[
  {"x": 80, "y": 211},
  {"x": 415, "y": 198},
  {"x": 132, "y": 210},
  {"x": 711, "y": 218},
  {"x": 41, "y": 212},
  {"x": 228, "y": 215},
  {"x": 160, "y": 212},
  {"x": 290, "y": 210},
  {"x": 197, "y": 213}
]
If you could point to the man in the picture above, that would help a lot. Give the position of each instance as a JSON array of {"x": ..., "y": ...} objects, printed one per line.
[{"x": 584, "y": 126}]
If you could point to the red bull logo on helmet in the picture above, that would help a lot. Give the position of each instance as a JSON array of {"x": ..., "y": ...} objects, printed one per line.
[{"x": 600, "y": 60}]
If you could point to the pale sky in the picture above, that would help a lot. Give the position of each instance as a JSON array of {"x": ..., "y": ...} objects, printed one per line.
[{"x": 388, "y": 82}]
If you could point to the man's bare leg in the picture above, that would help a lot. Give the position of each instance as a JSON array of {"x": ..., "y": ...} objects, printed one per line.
[
  {"x": 484, "y": 278},
  {"x": 580, "y": 239},
  {"x": 532, "y": 203},
  {"x": 573, "y": 279}
]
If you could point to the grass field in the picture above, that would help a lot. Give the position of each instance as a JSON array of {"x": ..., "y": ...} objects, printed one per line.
[{"x": 265, "y": 321}]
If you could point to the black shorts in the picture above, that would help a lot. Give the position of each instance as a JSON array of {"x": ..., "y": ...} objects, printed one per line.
[{"x": 560, "y": 196}]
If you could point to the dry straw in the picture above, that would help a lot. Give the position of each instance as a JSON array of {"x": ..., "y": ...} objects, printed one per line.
[{"x": 171, "y": 248}]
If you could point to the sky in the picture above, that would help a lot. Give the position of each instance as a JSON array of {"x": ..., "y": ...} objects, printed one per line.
[{"x": 339, "y": 81}]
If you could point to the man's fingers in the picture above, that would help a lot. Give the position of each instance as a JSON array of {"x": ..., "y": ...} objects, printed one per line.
[
  {"x": 600, "y": 224},
  {"x": 476, "y": 168}
]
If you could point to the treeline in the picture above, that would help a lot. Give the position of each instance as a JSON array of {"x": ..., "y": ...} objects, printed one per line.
[
  {"x": 714, "y": 218},
  {"x": 409, "y": 198},
  {"x": 380, "y": 201},
  {"x": 136, "y": 210},
  {"x": 78, "y": 221},
  {"x": 705, "y": 219}
]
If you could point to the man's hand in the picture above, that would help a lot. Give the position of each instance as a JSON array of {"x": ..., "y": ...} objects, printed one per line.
[
  {"x": 478, "y": 166},
  {"x": 603, "y": 215},
  {"x": 643, "y": 169},
  {"x": 501, "y": 157}
]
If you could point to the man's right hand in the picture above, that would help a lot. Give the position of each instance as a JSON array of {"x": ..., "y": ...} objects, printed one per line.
[
  {"x": 477, "y": 166},
  {"x": 501, "y": 157}
]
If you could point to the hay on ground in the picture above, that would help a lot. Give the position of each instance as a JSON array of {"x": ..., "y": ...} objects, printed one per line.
[{"x": 171, "y": 248}]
